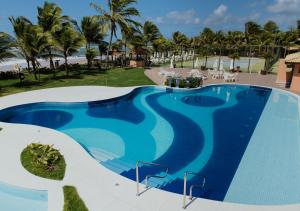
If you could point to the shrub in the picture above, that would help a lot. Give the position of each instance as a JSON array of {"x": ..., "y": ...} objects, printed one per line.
[
  {"x": 194, "y": 82},
  {"x": 43, "y": 161}
]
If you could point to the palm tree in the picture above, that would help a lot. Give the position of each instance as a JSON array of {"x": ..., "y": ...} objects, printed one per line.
[
  {"x": 50, "y": 19},
  {"x": 150, "y": 33},
  {"x": 181, "y": 41},
  {"x": 6, "y": 42},
  {"x": 37, "y": 42},
  {"x": 20, "y": 26},
  {"x": 219, "y": 43},
  {"x": 120, "y": 14},
  {"x": 234, "y": 56},
  {"x": 206, "y": 40},
  {"x": 93, "y": 32},
  {"x": 138, "y": 45},
  {"x": 69, "y": 41}
]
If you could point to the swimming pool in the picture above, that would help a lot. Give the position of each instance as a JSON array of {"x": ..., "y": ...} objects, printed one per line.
[
  {"x": 229, "y": 133},
  {"x": 20, "y": 199}
]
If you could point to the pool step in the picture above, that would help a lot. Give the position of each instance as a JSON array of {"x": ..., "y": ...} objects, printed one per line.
[
  {"x": 119, "y": 165},
  {"x": 101, "y": 155},
  {"x": 159, "y": 182}
]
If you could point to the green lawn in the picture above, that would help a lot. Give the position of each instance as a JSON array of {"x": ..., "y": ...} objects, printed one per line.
[
  {"x": 73, "y": 202},
  {"x": 118, "y": 77}
]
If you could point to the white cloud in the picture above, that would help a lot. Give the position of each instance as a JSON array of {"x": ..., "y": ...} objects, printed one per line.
[
  {"x": 159, "y": 20},
  {"x": 221, "y": 10},
  {"x": 197, "y": 21},
  {"x": 218, "y": 16},
  {"x": 183, "y": 17},
  {"x": 284, "y": 6}
]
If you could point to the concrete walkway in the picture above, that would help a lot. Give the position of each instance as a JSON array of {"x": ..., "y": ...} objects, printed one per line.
[
  {"x": 100, "y": 188},
  {"x": 243, "y": 78}
]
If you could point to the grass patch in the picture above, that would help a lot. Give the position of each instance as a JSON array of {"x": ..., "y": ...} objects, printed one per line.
[
  {"x": 72, "y": 200},
  {"x": 117, "y": 77},
  {"x": 31, "y": 164}
]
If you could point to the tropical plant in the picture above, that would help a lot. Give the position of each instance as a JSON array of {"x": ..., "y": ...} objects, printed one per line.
[
  {"x": 6, "y": 42},
  {"x": 20, "y": 26},
  {"x": 44, "y": 155},
  {"x": 181, "y": 42},
  {"x": 31, "y": 40},
  {"x": 90, "y": 56},
  {"x": 120, "y": 13},
  {"x": 93, "y": 31},
  {"x": 234, "y": 56},
  {"x": 50, "y": 20},
  {"x": 69, "y": 41}
]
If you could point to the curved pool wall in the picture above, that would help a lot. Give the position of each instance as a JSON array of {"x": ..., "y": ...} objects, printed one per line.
[
  {"x": 19, "y": 199},
  {"x": 206, "y": 131}
]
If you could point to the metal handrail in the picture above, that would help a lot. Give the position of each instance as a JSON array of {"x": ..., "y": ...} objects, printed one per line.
[
  {"x": 148, "y": 176},
  {"x": 192, "y": 186}
]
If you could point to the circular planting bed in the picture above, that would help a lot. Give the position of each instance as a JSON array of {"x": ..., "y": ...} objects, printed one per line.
[{"x": 44, "y": 161}]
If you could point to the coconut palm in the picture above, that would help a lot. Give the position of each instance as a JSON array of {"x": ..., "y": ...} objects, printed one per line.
[
  {"x": 138, "y": 45},
  {"x": 6, "y": 42},
  {"x": 50, "y": 19},
  {"x": 181, "y": 41},
  {"x": 93, "y": 31},
  {"x": 119, "y": 14},
  {"x": 69, "y": 41},
  {"x": 36, "y": 43},
  {"x": 20, "y": 26},
  {"x": 206, "y": 41}
]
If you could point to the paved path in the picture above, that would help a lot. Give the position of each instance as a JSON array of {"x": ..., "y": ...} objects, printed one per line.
[{"x": 100, "y": 188}]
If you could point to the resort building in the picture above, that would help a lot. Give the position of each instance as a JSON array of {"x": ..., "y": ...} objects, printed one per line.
[{"x": 289, "y": 72}]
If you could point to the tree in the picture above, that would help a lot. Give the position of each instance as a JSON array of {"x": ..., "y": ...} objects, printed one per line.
[
  {"x": 181, "y": 41},
  {"x": 6, "y": 42},
  {"x": 234, "y": 56},
  {"x": 36, "y": 42},
  {"x": 93, "y": 32},
  {"x": 120, "y": 14},
  {"x": 50, "y": 19},
  {"x": 150, "y": 34},
  {"x": 206, "y": 40},
  {"x": 20, "y": 26},
  {"x": 69, "y": 41},
  {"x": 271, "y": 27}
]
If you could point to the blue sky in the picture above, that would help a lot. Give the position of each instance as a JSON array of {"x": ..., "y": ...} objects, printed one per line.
[{"x": 188, "y": 16}]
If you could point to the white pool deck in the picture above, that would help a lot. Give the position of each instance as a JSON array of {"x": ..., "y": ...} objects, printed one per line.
[{"x": 100, "y": 188}]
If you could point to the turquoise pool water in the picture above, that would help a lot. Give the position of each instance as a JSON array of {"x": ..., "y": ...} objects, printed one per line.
[
  {"x": 18, "y": 199},
  {"x": 228, "y": 133}
]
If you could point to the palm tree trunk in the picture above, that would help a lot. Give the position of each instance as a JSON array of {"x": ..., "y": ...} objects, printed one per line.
[
  {"x": 66, "y": 63},
  {"x": 125, "y": 49},
  {"x": 109, "y": 46},
  {"x": 206, "y": 61},
  {"x": 181, "y": 51},
  {"x": 51, "y": 60},
  {"x": 28, "y": 65},
  {"x": 233, "y": 64},
  {"x": 34, "y": 69}
]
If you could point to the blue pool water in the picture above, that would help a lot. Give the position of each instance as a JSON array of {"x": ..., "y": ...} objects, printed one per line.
[
  {"x": 19, "y": 199},
  {"x": 213, "y": 131}
]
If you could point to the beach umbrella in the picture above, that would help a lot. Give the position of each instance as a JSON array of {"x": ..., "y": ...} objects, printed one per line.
[{"x": 231, "y": 64}]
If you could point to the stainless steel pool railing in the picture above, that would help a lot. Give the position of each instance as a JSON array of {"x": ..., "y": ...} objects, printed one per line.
[
  {"x": 148, "y": 176},
  {"x": 186, "y": 174}
]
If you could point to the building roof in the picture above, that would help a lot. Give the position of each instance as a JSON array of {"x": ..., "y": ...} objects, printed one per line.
[{"x": 293, "y": 58}]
